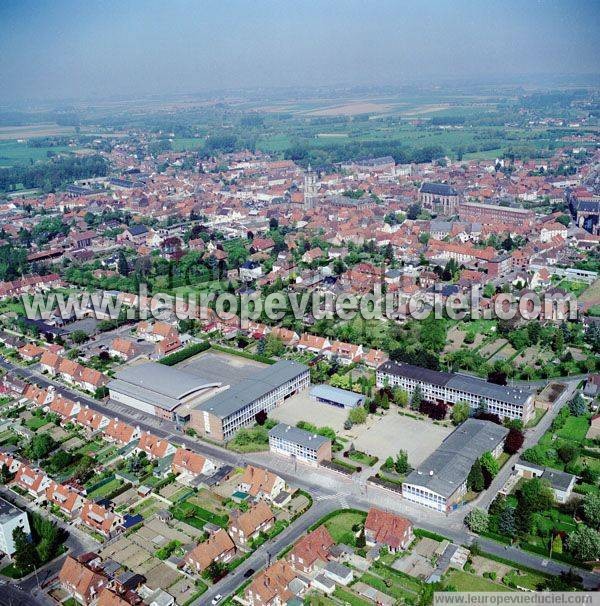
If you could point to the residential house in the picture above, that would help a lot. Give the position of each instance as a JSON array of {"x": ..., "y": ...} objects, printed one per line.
[
  {"x": 388, "y": 530},
  {"x": 68, "y": 500},
  {"x": 99, "y": 519},
  {"x": 312, "y": 551},
  {"x": 91, "y": 420},
  {"x": 189, "y": 464},
  {"x": 33, "y": 481},
  {"x": 122, "y": 348},
  {"x": 273, "y": 587},
  {"x": 313, "y": 343},
  {"x": 80, "y": 582},
  {"x": 154, "y": 447},
  {"x": 120, "y": 432},
  {"x": 217, "y": 548},
  {"x": 261, "y": 483},
  {"x": 248, "y": 525}
]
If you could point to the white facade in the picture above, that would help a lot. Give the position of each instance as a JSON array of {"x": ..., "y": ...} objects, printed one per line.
[{"x": 10, "y": 518}]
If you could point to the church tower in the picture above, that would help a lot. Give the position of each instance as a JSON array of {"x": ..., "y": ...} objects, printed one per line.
[{"x": 310, "y": 188}]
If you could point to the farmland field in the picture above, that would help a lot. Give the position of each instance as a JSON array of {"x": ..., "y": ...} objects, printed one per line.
[{"x": 12, "y": 152}]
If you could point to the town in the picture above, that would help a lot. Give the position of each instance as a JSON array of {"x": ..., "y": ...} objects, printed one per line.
[{"x": 169, "y": 436}]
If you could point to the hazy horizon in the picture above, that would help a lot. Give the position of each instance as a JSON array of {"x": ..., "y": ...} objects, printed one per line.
[{"x": 76, "y": 50}]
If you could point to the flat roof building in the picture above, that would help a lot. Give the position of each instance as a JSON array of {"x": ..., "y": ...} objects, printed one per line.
[
  {"x": 336, "y": 397},
  {"x": 300, "y": 444},
  {"x": 221, "y": 416},
  {"x": 160, "y": 390},
  {"x": 440, "y": 481},
  {"x": 11, "y": 517},
  {"x": 450, "y": 388}
]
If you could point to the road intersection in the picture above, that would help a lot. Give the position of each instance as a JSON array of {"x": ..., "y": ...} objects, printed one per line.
[{"x": 329, "y": 490}]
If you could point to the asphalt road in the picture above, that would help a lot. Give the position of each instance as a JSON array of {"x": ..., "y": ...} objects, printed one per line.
[{"x": 328, "y": 487}]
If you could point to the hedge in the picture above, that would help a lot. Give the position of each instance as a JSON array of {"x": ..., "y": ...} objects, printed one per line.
[
  {"x": 244, "y": 354},
  {"x": 185, "y": 353},
  {"x": 421, "y": 532}
]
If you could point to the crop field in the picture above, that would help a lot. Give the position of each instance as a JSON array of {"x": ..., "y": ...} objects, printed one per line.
[{"x": 12, "y": 152}]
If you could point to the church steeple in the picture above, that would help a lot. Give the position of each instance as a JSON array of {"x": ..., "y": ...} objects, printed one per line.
[{"x": 310, "y": 188}]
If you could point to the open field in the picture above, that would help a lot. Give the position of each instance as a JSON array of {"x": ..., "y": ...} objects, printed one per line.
[
  {"x": 34, "y": 130},
  {"x": 13, "y": 152}
]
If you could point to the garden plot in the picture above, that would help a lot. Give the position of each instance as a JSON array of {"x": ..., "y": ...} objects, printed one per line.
[
  {"x": 156, "y": 527},
  {"x": 414, "y": 565},
  {"x": 491, "y": 348},
  {"x": 161, "y": 576},
  {"x": 507, "y": 352},
  {"x": 228, "y": 487},
  {"x": 454, "y": 339},
  {"x": 426, "y": 547},
  {"x": 528, "y": 356},
  {"x": 483, "y": 565}
]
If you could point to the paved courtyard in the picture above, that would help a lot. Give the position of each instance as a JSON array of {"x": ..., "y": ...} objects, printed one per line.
[
  {"x": 386, "y": 435},
  {"x": 302, "y": 408}
]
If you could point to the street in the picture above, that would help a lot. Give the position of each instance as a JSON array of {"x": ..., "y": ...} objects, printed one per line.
[{"x": 329, "y": 489}]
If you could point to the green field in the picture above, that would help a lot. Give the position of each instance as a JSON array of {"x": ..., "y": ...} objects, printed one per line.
[
  {"x": 340, "y": 526},
  {"x": 12, "y": 152},
  {"x": 464, "y": 581},
  {"x": 574, "y": 429}
]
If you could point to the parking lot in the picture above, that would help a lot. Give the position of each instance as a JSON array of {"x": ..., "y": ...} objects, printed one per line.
[{"x": 221, "y": 367}]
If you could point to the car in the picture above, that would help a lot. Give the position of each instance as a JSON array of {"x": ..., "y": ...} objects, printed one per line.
[
  {"x": 249, "y": 573},
  {"x": 216, "y": 599}
]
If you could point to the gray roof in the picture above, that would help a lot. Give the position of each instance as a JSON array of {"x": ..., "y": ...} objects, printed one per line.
[
  {"x": 347, "y": 398},
  {"x": 158, "y": 384},
  {"x": 559, "y": 480},
  {"x": 457, "y": 381},
  {"x": 440, "y": 226},
  {"x": 337, "y": 569},
  {"x": 8, "y": 511},
  {"x": 439, "y": 189},
  {"x": 245, "y": 392},
  {"x": 298, "y": 436},
  {"x": 445, "y": 470}
]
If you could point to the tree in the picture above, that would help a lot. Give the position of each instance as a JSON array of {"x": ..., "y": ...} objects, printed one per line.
[
  {"x": 498, "y": 505},
  {"x": 5, "y": 475},
  {"x": 41, "y": 445},
  {"x": 577, "y": 406},
  {"x": 567, "y": 452},
  {"x": 389, "y": 463},
  {"x": 557, "y": 544},
  {"x": 460, "y": 413},
  {"x": 25, "y": 556},
  {"x": 357, "y": 415},
  {"x": 514, "y": 441},
  {"x": 506, "y": 522},
  {"x": 401, "y": 465},
  {"x": 122, "y": 265},
  {"x": 590, "y": 509},
  {"x": 533, "y": 496},
  {"x": 584, "y": 543},
  {"x": 475, "y": 481},
  {"x": 216, "y": 571},
  {"x": 477, "y": 520},
  {"x": 489, "y": 466},
  {"x": 261, "y": 417},
  {"x": 416, "y": 399},
  {"x": 361, "y": 540},
  {"x": 400, "y": 397},
  {"x": 79, "y": 336}
]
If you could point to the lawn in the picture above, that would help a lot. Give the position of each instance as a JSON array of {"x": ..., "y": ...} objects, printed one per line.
[
  {"x": 465, "y": 581},
  {"x": 340, "y": 526},
  {"x": 36, "y": 422},
  {"x": 395, "y": 589},
  {"x": 362, "y": 457},
  {"x": 197, "y": 516},
  {"x": 574, "y": 429},
  {"x": 350, "y": 598},
  {"x": 105, "y": 489}
]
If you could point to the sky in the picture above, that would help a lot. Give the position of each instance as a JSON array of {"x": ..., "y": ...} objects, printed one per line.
[{"x": 61, "y": 49}]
